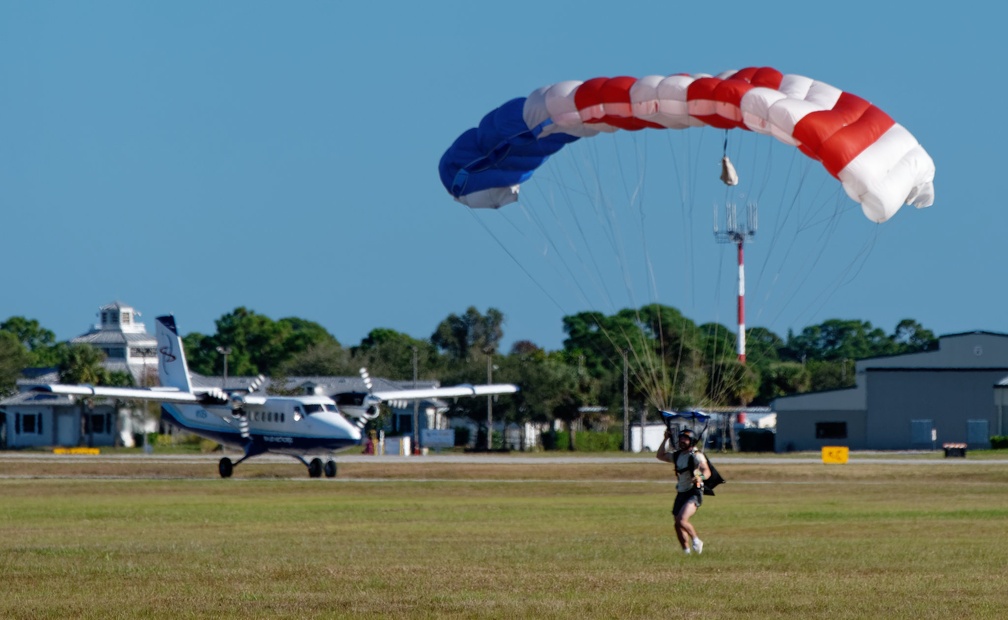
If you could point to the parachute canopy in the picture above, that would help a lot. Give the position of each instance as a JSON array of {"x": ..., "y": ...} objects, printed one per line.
[
  {"x": 879, "y": 163},
  {"x": 687, "y": 416}
]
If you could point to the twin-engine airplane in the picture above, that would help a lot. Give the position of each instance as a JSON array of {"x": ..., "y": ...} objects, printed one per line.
[{"x": 256, "y": 423}]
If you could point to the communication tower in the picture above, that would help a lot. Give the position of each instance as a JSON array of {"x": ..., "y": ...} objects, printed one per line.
[{"x": 737, "y": 233}]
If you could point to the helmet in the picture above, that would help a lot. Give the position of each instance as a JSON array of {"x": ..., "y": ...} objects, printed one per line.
[{"x": 687, "y": 434}]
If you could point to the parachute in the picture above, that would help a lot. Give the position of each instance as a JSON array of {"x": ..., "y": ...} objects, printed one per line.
[{"x": 879, "y": 163}]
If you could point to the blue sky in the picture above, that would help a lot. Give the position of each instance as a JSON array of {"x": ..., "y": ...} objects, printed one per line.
[{"x": 194, "y": 157}]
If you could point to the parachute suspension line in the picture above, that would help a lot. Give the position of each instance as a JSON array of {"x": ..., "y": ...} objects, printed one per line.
[
  {"x": 767, "y": 164},
  {"x": 648, "y": 373},
  {"x": 783, "y": 215},
  {"x": 592, "y": 189},
  {"x": 517, "y": 262},
  {"x": 607, "y": 214},
  {"x": 849, "y": 272},
  {"x": 649, "y": 361},
  {"x": 649, "y": 367},
  {"x": 562, "y": 256}
]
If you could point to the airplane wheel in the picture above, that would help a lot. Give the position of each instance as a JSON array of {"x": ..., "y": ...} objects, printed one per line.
[
  {"x": 330, "y": 469},
  {"x": 225, "y": 467},
  {"x": 315, "y": 468}
]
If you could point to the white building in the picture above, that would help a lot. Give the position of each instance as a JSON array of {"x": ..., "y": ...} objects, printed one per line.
[{"x": 124, "y": 341}]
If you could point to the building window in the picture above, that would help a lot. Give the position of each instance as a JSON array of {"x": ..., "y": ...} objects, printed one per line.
[
  {"x": 125, "y": 318},
  {"x": 26, "y": 423},
  {"x": 831, "y": 430}
]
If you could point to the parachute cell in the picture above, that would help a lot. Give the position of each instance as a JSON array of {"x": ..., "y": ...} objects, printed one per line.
[{"x": 879, "y": 163}]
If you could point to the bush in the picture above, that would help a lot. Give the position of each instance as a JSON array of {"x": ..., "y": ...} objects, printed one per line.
[
  {"x": 548, "y": 439},
  {"x": 999, "y": 442},
  {"x": 584, "y": 441}
]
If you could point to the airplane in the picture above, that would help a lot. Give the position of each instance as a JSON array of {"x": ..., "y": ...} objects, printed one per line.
[{"x": 296, "y": 426}]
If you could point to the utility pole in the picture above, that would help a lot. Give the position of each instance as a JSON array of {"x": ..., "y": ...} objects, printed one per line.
[
  {"x": 489, "y": 435},
  {"x": 626, "y": 406},
  {"x": 225, "y": 351},
  {"x": 416, "y": 406}
]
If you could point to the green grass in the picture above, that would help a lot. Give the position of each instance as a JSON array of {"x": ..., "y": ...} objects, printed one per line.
[{"x": 782, "y": 541}]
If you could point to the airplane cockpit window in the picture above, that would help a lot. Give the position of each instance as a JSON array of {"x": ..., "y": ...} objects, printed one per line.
[
  {"x": 311, "y": 408},
  {"x": 331, "y": 407}
]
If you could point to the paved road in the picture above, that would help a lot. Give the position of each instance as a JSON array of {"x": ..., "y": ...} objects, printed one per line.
[{"x": 866, "y": 457}]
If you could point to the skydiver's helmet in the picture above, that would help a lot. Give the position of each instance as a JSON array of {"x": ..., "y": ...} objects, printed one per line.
[{"x": 688, "y": 435}]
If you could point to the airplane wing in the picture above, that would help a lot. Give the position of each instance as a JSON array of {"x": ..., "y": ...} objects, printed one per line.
[
  {"x": 453, "y": 391},
  {"x": 166, "y": 395}
]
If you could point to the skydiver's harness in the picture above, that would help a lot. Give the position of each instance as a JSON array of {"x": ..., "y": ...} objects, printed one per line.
[
  {"x": 691, "y": 463},
  {"x": 706, "y": 484}
]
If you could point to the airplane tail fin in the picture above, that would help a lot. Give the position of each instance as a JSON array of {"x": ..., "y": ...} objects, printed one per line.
[{"x": 172, "y": 368}]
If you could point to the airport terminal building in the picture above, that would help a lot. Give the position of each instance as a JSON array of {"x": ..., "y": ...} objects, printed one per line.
[{"x": 957, "y": 393}]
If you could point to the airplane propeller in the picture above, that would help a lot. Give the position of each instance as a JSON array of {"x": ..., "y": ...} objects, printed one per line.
[
  {"x": 236, "y": 399},
  {"x": 371, "y": 403}
]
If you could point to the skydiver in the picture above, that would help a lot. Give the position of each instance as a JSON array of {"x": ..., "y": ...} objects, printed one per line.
[{"x": 691, "y": 469}]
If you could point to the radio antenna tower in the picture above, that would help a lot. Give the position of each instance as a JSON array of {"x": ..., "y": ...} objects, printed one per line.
[{"x": 737, "y": 233}]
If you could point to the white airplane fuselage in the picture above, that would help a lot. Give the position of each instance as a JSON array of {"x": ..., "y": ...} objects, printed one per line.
[{"x": 294, "y": 425}]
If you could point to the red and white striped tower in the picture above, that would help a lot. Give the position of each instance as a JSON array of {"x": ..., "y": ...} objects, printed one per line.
[
  {"x": 740, "y": 340},
  {"x": 737, "y": 234}
]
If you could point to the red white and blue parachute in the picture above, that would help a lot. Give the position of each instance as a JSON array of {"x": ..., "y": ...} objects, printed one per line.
[{"x": 879, "y": 163}]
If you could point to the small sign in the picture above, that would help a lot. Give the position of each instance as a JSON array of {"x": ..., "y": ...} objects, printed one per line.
[
  {"x": 834, "y": 454},
  {"x": 437, "y": 438}
]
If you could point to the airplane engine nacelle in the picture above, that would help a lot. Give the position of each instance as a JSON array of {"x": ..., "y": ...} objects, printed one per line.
[{"x": 362, "y": 412}]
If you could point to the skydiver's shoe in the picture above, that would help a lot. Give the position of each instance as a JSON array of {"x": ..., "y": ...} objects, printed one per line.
[
  {"x": 686, "y": 550},
  {"x": 698, "y": 546}
]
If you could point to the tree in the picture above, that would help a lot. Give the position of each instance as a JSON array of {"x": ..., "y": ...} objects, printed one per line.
[
  {"x": 762, "y": 346},
  {"x": 82, "y": 363},
  {"x": 782, "y": 379},
  {"x": 830, "y": 374},
  {"x": 40, "y": 343},
  {"x": 320, "y": 360},
  {"x": 388, "y": 353},
  {"x": 13, "y": 359},
  {"x": 838, "y": 339},
  {"x": 257, "y": 344},
  {"x": 911, "y": 337},
  {"x": 460, "y": 337},
  {"x": 733, "y": 382}
]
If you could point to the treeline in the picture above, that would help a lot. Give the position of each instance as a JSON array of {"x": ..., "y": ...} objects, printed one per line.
[{"x": 662, "y": 358}]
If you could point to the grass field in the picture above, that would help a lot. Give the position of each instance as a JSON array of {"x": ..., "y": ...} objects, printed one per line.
[{"x": 505, "y": 540}]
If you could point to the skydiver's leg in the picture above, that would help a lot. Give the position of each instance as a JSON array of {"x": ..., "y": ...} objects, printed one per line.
[
  {"x": 677, "y": 508},
  {"x": 683, "y": 526}
]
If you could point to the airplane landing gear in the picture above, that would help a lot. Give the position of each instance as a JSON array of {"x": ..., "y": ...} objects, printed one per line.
[
  {"x": 225, "y": 467},
  {"x": 330, "y": 469},
  {"x": 315, "y": 468}
]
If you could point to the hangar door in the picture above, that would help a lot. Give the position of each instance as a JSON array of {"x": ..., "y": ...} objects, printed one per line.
[
  {"x": 977, "y": 434},
  {"x": 920, "y": 432}
]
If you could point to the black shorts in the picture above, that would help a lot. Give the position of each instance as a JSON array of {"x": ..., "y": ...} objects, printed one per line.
[{"x": 681, "y": 499}]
